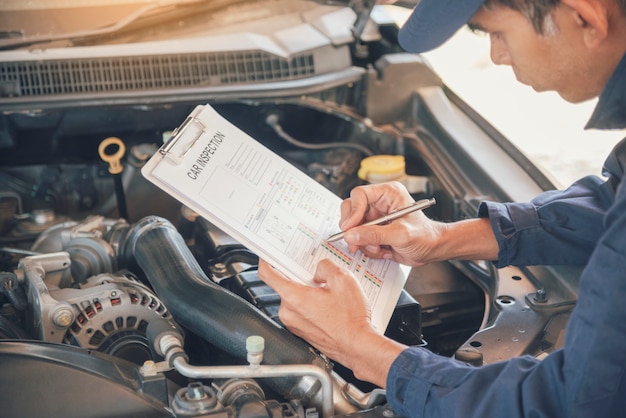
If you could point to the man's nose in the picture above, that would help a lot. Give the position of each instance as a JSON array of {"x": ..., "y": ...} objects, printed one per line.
[{"x": 499, "y": 52}]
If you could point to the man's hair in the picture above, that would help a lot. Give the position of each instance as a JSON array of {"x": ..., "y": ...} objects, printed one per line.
[{"x": 538, "y": 12}]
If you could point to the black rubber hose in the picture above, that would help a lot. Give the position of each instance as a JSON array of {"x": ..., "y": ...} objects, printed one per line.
[
  {"x": 120, "y": 196},
  {"x": 206, "y": 309}
]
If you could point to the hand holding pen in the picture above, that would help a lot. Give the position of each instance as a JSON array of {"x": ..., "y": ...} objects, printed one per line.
[
  {"x": 411, "y": 238},
  {"x": 415, "y": 206}
]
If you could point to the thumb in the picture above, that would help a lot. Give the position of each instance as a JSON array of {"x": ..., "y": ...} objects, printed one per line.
[
  {"x": 326, "y": 271},
  {"x": 328, "y": 274},
  {"x": 363, "y": 236}
]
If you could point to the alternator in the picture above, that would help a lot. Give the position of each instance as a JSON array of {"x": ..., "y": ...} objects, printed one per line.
[{"x": 108, "y": 313}]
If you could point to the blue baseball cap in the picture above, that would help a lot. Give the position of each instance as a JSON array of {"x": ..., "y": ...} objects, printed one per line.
[{"x": 434, "y": 21}]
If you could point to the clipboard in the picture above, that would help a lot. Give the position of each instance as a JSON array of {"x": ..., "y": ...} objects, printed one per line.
[{"x": 265, "y": 203}]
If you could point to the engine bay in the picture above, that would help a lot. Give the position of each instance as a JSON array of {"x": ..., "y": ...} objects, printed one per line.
[{"x": 67, "y": 275}]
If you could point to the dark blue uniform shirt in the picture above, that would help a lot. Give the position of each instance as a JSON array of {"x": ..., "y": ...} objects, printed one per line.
[{"x": 584, "y": 224}]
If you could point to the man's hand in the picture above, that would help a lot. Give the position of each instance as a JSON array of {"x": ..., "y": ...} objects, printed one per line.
[
  {"x": 413, "y": 239},
  {"x": 335, "y": 318},
  {"x": 407, "y": 240}
]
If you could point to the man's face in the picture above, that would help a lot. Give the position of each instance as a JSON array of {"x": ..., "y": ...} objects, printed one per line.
[{"x": 558, "y": 60}]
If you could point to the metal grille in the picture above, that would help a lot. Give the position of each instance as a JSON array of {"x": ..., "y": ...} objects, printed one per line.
[{"x": 148, "y": 72}]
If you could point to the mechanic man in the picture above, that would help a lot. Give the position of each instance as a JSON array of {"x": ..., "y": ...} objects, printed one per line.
[{"x": 576, "y": 48}]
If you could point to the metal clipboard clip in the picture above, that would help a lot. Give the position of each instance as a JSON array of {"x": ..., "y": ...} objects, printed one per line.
[{"x": 184, "y": 138}]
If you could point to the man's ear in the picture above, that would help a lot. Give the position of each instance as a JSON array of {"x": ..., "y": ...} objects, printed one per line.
[{"x": 593, "y": 18}]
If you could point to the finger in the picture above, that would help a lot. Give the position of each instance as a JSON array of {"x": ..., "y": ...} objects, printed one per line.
[
  {"x": 332, "y": 274},
  {"x": 275, "y": 279},
  {"x": 369, "y": 245},
  {"x": 359, "y": 206},
  {"x": 363, "y": 236},
  {"x": 353, "y": 211},
  {"x": 326, "y": 268},
  {"x": 394, "y": 234},
  {"x": 380, "y": 199},
  {"x": 372, "y": 201},
  {"x": 347, "y": 213},
  {"x": 378, "y": 251}
]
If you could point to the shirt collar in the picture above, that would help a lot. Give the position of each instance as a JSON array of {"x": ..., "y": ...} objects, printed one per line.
[{"x": 610, "y": 112}]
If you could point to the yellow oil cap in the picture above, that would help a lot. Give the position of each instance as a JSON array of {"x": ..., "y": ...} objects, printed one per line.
[{"x": 381, "y": 168}]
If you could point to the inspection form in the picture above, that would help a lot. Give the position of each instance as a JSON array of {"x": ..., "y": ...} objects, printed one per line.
[{"x": 267, "y": 204}]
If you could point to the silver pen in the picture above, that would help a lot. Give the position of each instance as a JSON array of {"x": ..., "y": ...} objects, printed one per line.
[{"x": 419, "y": 205}]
